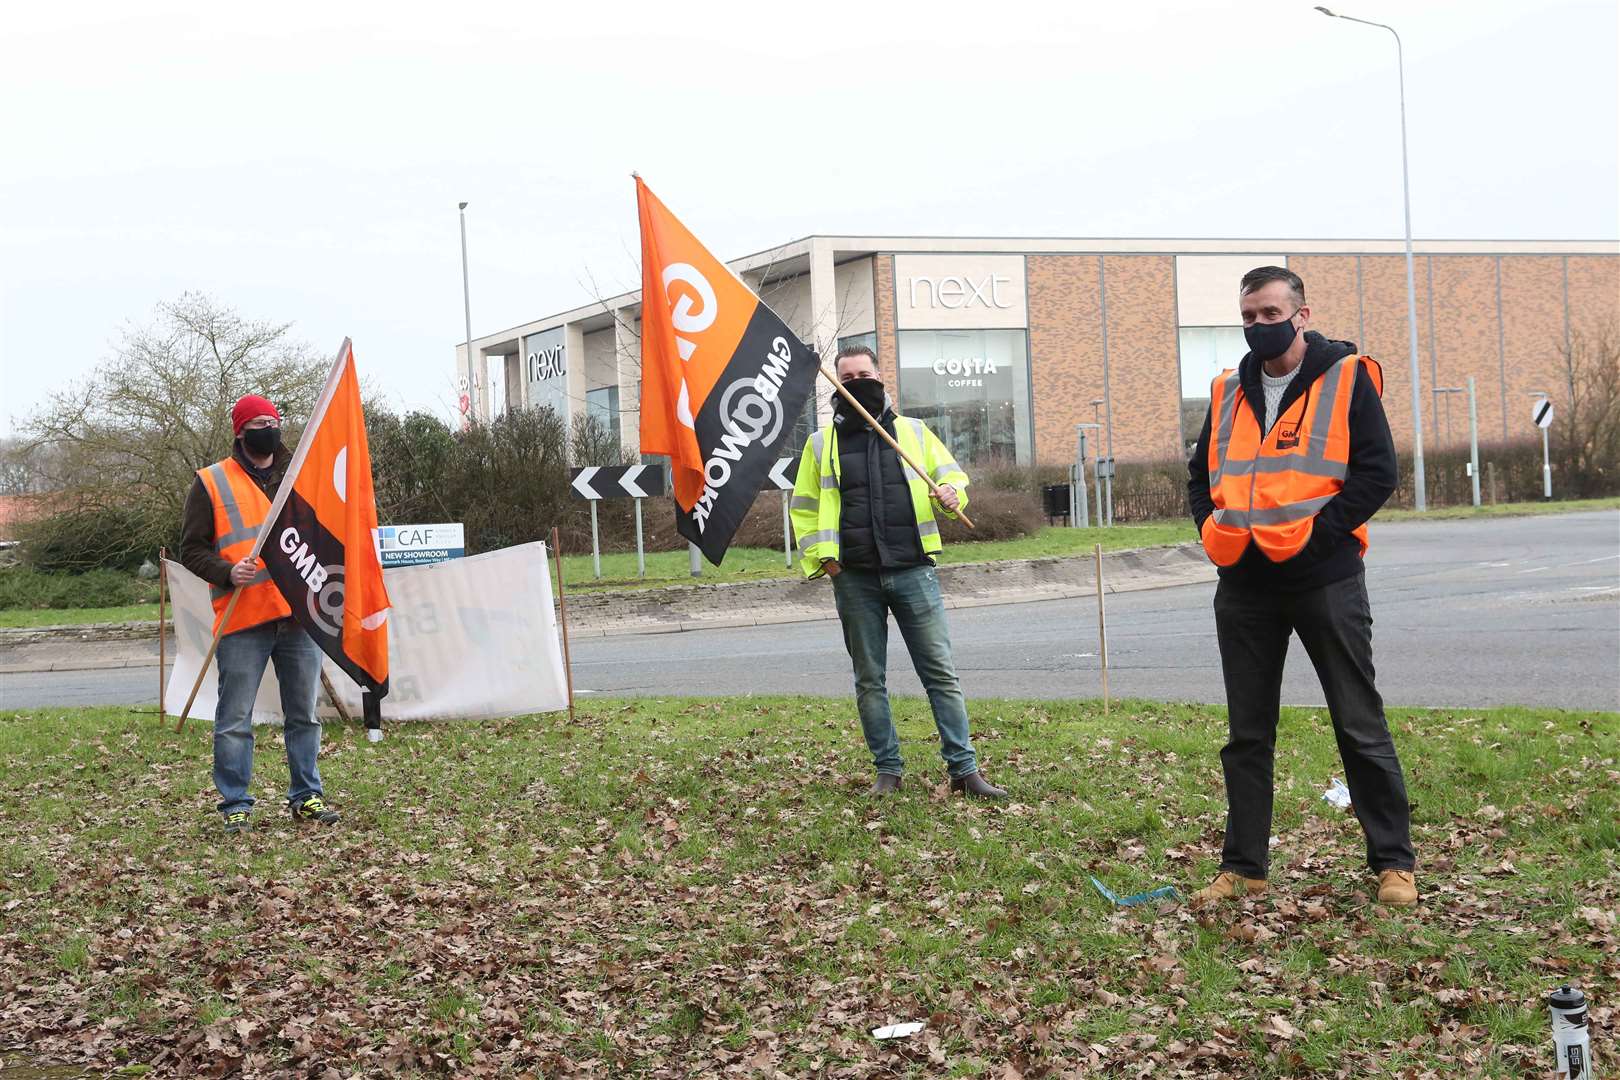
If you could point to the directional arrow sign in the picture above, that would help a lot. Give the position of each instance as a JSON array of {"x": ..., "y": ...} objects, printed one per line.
[
  {"x": 582, "y": 481},
  {"x": 628, "y": 482},
  {"x": 618, "y": 481},
  {"x": 1542, "y": 412},
  {"x": 779, "y": 474}
]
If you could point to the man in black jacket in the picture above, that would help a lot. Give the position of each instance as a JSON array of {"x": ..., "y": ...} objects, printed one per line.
[{"x": 1289, "y": 563}]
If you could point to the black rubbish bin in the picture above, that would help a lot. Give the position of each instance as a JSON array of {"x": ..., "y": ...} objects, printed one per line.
[{"x": 1055, "y": 500}]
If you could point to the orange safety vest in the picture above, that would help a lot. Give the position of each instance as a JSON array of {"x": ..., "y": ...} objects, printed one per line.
[
  {"x": 1269, "y": 487},
  {"x": 239, "y": 510}
]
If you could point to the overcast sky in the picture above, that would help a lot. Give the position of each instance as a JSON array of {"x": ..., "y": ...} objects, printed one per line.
[{"x": 302, "y": 161}]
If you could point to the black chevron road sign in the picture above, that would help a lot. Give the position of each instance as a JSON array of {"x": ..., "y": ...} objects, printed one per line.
[
  {"x": 781, "y": 473},
  {"x": 618, "y": 481}
]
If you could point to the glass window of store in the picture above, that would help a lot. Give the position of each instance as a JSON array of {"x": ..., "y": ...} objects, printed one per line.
[
  {"x": 602, "y": 406},
  {"x": 972, "y": 388},
  {"x": 1206, "y": 351}
]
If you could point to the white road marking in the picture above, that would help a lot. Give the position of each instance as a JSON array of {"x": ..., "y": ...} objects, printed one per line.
[{"x": 1535, "y": 570}]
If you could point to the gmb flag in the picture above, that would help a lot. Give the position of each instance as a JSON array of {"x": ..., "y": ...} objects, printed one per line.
[
  {"x": 723, "y": 379},
  {"x": 319, "y": 547}
]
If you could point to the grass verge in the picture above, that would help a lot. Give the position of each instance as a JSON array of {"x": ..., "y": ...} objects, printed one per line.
[
  {"x": 697, "y": 887},
  {"x": 1517, "y": 509},
  {"x": 756, "y": 564}
]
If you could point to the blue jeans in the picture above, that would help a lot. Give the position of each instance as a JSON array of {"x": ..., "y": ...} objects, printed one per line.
[
  {"x": 864, "y": 599},
  {"x": 242, "y": 657}
]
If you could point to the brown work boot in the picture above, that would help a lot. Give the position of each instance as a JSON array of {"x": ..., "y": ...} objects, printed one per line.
[
  {"x": 1397, "y": 888},
  {"x": 975, "y": 786},
  {"x": 887, "y": 784},
  {"x": 1228, "y": 886}
]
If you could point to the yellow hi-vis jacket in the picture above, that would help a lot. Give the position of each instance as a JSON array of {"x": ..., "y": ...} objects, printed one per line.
[{"x": 817, "y": 501}]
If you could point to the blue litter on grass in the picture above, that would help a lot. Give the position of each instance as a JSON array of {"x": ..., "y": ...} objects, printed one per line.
[{"x": 1163, "y": 892}]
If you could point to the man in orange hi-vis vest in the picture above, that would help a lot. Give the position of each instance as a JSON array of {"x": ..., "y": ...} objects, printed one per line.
[
  {"x": 223, "y": 514},
  {"x": 1295, "y": 456},
  {"x": 315, "y": 588}
]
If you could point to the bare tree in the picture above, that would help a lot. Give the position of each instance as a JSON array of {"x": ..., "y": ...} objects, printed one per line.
[
  {"x": 159, "y": 408},
  {"x": 1586, "y": 433},
  {"x": 18, "y": 471}
]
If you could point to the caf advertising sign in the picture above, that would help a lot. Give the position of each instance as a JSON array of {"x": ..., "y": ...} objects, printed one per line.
[{"x": 408, "y": 545}]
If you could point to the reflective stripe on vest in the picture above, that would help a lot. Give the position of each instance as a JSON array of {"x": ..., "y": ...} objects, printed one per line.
[
  {"x": 1268, "y": 486},
  {"x": 239, "y": 511}
]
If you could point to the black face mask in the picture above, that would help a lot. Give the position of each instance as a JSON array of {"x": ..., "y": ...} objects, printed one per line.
[
  {"x": 1267, "y": 341},
  {"x": 869, "y": 392},
  {"x": 261, "y": 442}
]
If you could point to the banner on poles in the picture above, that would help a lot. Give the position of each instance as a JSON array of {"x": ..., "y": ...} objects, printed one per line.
[
  {"x": 723, "y": 378},
  {"x": 471, "y": 639}
]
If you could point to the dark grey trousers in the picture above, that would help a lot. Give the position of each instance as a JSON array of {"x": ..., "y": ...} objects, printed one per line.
[{"x": 1334, "y": 623}]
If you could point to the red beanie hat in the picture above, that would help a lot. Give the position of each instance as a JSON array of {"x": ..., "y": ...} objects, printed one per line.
[{"x": 249, "y": 406}]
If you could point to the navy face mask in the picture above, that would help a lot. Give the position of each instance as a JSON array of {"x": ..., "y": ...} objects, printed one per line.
[{"x": 1267, "y": 341}]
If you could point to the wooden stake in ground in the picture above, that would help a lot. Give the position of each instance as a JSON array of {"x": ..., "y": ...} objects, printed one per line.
[
  {"x": 331, "y": 695},
  {"x": 163, "y": 651},
  {"x": 877, "y": 427},
  {"x": 562, "y": 607},
  {"x": 1102, "y": 630}
]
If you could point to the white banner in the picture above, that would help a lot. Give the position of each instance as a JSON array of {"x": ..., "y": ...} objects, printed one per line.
[{"x": 468, "y": 639}]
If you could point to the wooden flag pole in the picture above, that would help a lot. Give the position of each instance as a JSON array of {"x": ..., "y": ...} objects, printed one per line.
[
  {"x": 163, "y": 651},
  {"x": 230, "y": 609},
  {"x": 877, "y": 427},
  {"x": 562, "y": 605},
  {"x": 1102, "y": 630}
]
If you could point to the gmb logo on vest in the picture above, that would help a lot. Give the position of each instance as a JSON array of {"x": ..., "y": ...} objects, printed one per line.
[{"x": 325, "y": 599}]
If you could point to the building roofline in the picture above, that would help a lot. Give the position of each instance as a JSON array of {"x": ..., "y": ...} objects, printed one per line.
[{"x": 861, "y": 245}]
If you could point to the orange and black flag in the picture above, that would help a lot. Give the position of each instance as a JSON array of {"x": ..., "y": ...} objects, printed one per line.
[
  {"x": 320, "y": 547},
  {"x": 723, "y": 379}
]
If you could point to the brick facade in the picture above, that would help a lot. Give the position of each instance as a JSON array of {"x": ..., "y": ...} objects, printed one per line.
[
  {"x": 1359, "y": 298},
  {"x": 1065, "y": 344}
]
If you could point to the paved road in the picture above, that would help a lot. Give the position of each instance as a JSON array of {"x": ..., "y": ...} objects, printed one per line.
[
  {"x": 1480, "y": 613},
  {"x": 1467, "y": 613}
]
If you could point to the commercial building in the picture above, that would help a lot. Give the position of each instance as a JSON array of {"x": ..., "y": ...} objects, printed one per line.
[{"x": 1005, "y": 345}]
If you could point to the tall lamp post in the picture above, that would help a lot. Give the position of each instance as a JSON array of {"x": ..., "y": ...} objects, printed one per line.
[
  {"x": 1419, "y": 492},
  {"x": 473, "y": 393}
]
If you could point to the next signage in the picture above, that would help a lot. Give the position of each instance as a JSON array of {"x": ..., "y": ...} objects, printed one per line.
[
  {"x": 956, "y": 291},
  {"x": 959, "y": 291}
]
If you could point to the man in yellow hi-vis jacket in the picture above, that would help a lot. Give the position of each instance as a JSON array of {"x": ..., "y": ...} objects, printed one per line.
[{"x": 866, "y": 520}]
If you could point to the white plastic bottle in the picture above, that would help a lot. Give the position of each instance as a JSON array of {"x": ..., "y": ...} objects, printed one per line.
[{"x": 1572, "y": 1045}]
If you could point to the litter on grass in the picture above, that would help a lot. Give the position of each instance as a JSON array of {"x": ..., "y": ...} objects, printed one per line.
[
  {"x": 898, "y": 1031},
  {"x": 1163, "y": 892}
]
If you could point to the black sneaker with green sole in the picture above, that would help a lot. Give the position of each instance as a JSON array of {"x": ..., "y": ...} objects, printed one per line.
[
  {"x": 237, "y": 821},
  {"x": 313, "y": 809}
]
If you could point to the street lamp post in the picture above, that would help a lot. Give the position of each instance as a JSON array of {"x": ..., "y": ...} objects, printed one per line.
[
  {"x": 1419, "y": 492},
  {"x": 466, "y": 306}
]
